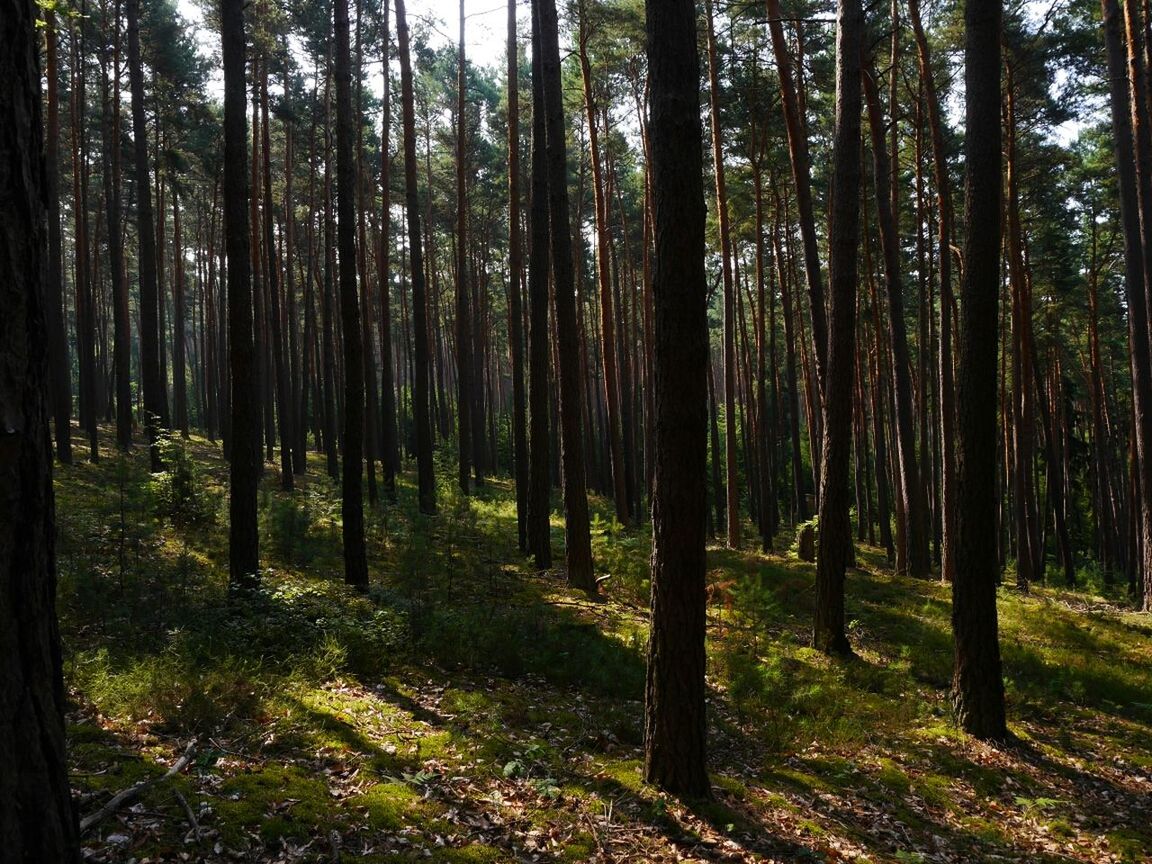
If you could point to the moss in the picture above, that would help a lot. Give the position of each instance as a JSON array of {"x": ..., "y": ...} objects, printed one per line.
[
  {"x": 389, "y": 805},
  {"x": 627, "y": 773},
  {"x": 579, "y": 847},
  {"x": 476, "y": 853},
  {"x": 893, "y": 777},
  {"x": 985, "y": 830},
  {"x": 1129, "y": 844},
  {"x": 934, "y": 789},
  {"x": 279, "y": 800}
]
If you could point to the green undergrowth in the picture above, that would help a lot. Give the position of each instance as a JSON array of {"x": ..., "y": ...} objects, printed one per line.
[{"x": 468, "y": 709}]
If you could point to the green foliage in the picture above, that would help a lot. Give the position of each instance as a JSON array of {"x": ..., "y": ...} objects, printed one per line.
[{"x": 181, "y": 491}]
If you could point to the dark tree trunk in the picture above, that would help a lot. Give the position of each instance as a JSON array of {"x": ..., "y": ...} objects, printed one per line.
[
  {"x": 284, "y": 410},
  {"x": 122, "y": 327},
  {"x": 61, "y": 377},
  {"x": 539, "y": 401},
  {"x": 800, "y": 161},
  {"x": 243, "y": 536},
  {"x": 179, "y": 315},
  {"x": 426, "y": 479},
  {"x": 977, "y": 685},
  {"x": 578, "y": 544},
  {"x": 515, "y": 284},
  {"x": 1141, "y": 137},
  {"x": 352, "y": 486},
  {"x": 464, "y": 352},
  {"x": 389, "y": 447},
  {"x": 944, "y": 244},
  {"x": 912, "y": 548},
  {"x": 608, "y": 344},
  {"x": 674, "y": 706},
  {"x": 834, "y": 550},
  {"x": 37, "y": 817},
  {"x": 155, "y": 401}
]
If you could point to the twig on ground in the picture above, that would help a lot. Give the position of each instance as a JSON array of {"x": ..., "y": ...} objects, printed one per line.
[{"x": 125, "y": 796}]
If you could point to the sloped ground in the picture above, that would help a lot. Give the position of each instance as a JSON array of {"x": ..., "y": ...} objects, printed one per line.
[{"x": 469, "y": 710}]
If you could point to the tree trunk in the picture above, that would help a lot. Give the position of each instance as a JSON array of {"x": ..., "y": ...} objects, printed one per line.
[
  {"x": 578, "y": 544},
  {"x": 464, "y": 352},
  {"x": 674, "y": 706},
  {"x": 389, "y": 452},
  {"x": 604, "y": 283},
  {"x": 912, "y": 555},
  {"x": 977, "y": 685},
  {"x": 122, "y": 326},
  {"x": 795, "y": 127},
  {"x": 947, "y": 302},
  {"x": 834, "y": 548},
  {"x": 515, "y": 284},
  {"x": 37, "y": 816},
  {"x": 539, "y": 401},
  {"x": 154, "y": 399},
  {"x": 426, "y": 479},
  {"x": 352, "y": 480},
  {"x": 61, "y": 377},
  {"x": 244, "y": 470}
]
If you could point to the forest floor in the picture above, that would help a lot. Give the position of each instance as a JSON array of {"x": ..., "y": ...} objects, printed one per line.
[{"x": 469, "y": 709}]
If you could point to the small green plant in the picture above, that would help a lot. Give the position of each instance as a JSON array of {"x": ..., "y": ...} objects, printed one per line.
[{"x": 181, "y": 491}]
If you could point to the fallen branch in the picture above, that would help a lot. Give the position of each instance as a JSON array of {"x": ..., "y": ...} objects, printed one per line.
[
  {"x": 125, "y": 796},
  {"x": 188, "y": 812}
]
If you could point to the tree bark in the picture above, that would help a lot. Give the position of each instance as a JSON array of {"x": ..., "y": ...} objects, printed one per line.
[
  {"x": 520, "y": 455},
  {"x": 352, "y": 479},
  {"x": 155, "y": 413},
  {"x": 674, "y": 706},
  {"x": 426, "y": 479},
  {"x": 37, "y": 818},
  {"x": 977, "y": 685},
  {"x": 244, "y": 470},
  {"x": 604, "y": 282},
  {"x": 834, "y": 548},
  {"x": 60, "y": 368},
  {"x": 912, "y": 555},
  {"x": 578, "y": 544},
  {"x": 464, "y": 351},
  {"x": 539, "y": 401}
]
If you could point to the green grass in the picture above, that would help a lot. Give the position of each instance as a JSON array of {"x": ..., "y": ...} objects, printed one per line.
[{"x": 470, "y": 710}]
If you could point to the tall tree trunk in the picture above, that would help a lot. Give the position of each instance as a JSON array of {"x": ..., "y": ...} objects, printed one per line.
[
  {"x": 426, "y": 479},
  {"x": 947, "y": 302},
  {"x": 60, "y": 368},
  {"x": 155, "y": 414},
  {"x": 1029, "y": 555},
  {"x": 604, "y": 281},
  {"x": 284, "y": 411},
  {"x": 1140, "y": 136},
  {"x": 85, "y": 318},
  {"x": 244, "y": 471},
  {"x": 464, "y": 370},
  {"x": 389, "y": 445},
  {"x": 834, "y": 548},
  {"x": 977, "y": 684},
  {"x": 122, "y": 327},
  {"x": 674, "y": 705},
  {"x": 37, "y": 815},
  {"x": 578, "y": 543},
  {"x": 795, "y": 128},
  {"x": 352, "y": 485},
  {"x": 912, "y": 547},
  {"x": 539, "y": 401},
  {"x": 179, "y": 324},
  {"x": 520, "y": 455},
  {"x": 731, "y": 474}
]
